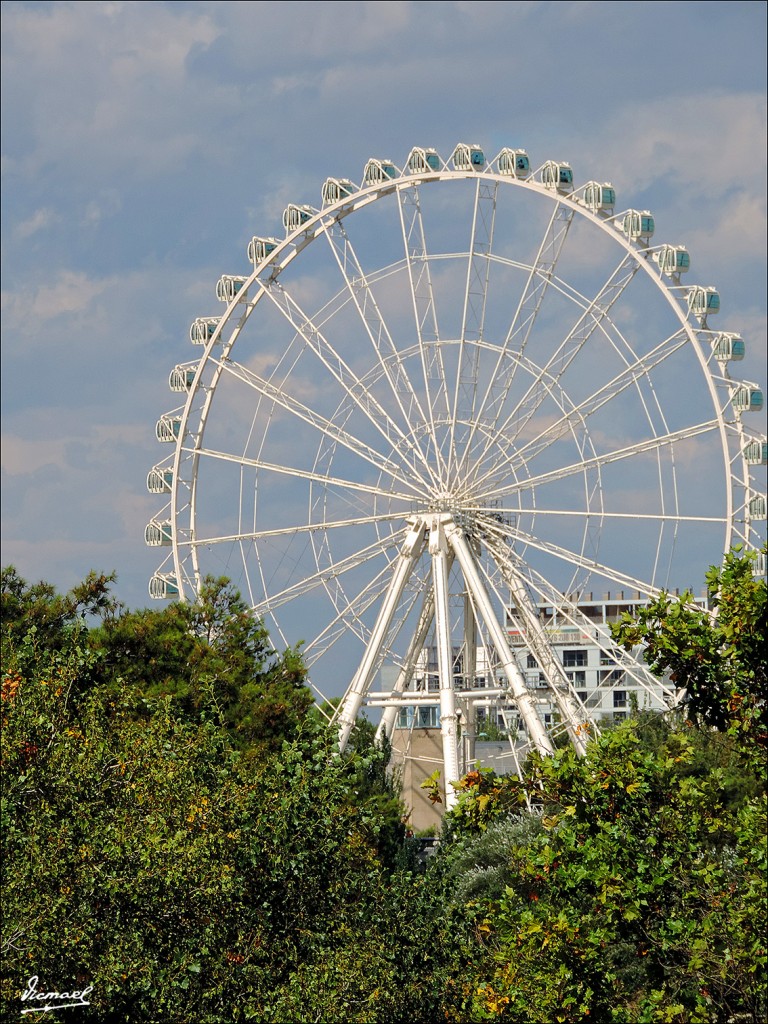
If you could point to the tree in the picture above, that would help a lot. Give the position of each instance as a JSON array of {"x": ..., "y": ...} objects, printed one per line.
[
  {"x": 636, "y": 894},
  {"x": 718, "y": 659},
  {"x": 39, "y": 607},
  {"x": 183, "y": 878}
]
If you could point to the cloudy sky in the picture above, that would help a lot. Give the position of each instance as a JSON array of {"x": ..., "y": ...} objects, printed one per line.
[{"x": 144, "y": 143}]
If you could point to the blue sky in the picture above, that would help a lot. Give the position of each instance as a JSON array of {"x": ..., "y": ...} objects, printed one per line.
[{"x": 143, "y": 144}]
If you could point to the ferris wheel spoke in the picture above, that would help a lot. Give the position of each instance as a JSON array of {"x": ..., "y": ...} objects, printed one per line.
[
  {"x": 292, "y": 531},
  {"x": 577, "y": 560},
  {"x": 414, "y": 651},
  {"x": 349, "y": 610},
  {"x": 601, "y": 515},
  {"x": 472, "y": 321},
  {"x": 652, "y": 444},
  {"x": 407, "y": 557},
  {"x": 523, "y": 609},
  {"x": 330, "y": 572},
  {"x": 281, "y": 397},
  {"x": 596, "y": 313},
  {"x": 540, "y": 276},
  {"x": 629, "y": 376},
  {"x": 379, "y": 335},
  {"x": 305, "y": 475},
  {"x": 425, "y": 317},
  {"x": 351, "y": 385}
]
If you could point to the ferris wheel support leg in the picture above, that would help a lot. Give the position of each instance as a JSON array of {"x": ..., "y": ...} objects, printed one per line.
[
  {"x": 469, "y": 672},
  {"x": 438, "y": 549},
  {"x": 409, "y": 555},
  {"x": 415, "y": 648},
  {"x": 576, "y": 721},
  {"x": 522, "y": 697}
]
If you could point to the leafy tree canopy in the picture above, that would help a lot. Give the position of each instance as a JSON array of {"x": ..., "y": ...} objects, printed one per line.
[
  {"x": 717, "y": 659},
  {"x": 149, "y": 854}
]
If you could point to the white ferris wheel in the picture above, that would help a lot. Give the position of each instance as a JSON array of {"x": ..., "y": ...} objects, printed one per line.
[{"x": 450, "y": 407}]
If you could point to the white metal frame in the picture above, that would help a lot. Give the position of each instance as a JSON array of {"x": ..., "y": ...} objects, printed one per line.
[{"x": 440, "y": 451}]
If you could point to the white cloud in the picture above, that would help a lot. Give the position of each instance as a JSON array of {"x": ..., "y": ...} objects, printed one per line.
[
  {"x": 20, "y": 456},
  {"x": 106, "y": 205},
  {"x": 39, "y": 220},
  {"x": 71, "y": 292},
  {"x": 699, "y": 149},
  {"x": 96, "y": 83}
]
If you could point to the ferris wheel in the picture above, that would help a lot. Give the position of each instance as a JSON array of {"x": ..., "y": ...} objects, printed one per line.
[{"x": 448, "y": 417}]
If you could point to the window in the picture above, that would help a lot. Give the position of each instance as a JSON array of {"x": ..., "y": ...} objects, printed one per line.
[
  {"x": 619, "y": 716},
  {"x": 574, "y": 659},
  {"x": 610, "y": 657},
  {"x": 532, "y": 663},
  {"x": 616, "y": 675},
  {"x": 577, "y": 678},
  {"x": 620, "y": 699},
  {"x": 582, "y": 695},
  {"x": 428, "y": 717},
  {"x": 420, "y": 718}
]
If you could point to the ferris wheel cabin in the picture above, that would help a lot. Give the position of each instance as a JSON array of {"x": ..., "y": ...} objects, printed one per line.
[
  {"x": 295, "y": 217},
  {"x": 727, "y": 347},
  {"x": 756, "y": 453},
  {"x": 168, "y": 428},
  {"x": 423, "y": 160},
  {"x": 158, "y": 534},
  {"x": 336, "y": 189},
  {"x": 599, "y": 198},
  {"x": 468, "y": 158},
  {"x": 203, "y": 329},
  {"x": 703, "y": 301},
  {"x": 181, "y": 378},
  {"x": 163, "y": 585},
  {"x": 378, "y": 171},
  {"x": 229, "y": 287},
  {"x": 637, "y": 225},
  {"x": 673, "y": 260},
  {"x": 747, "y": 399},
  {"x": 260, "y": 248},
  {"x": 514, "y": 163},
  {"x": 557, "y": 176},
  {"x": 160, "y": 480}
]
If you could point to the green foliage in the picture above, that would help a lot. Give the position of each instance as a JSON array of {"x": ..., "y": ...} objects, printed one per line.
[
  {"x": 640, "y": 896},
  {"x": 209, "y": 654},
  {"x": 489, "y": 729},
  {"x": 24, "y": 606},
  {"x": 180, "y": 832},
  {"x": 718, "y": 660},
  {"x": 150, "y": 859},
  {"x": 479, "y": 868},
  {"x": 483, "y": 797},
  {"x": 183, "y": 878}
]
